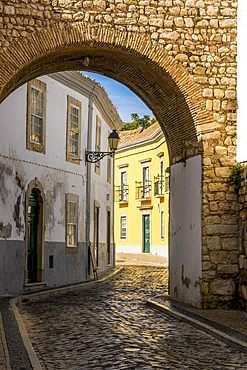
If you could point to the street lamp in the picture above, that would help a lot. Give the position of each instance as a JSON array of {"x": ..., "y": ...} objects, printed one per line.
[{"x": 113, "y": 141}]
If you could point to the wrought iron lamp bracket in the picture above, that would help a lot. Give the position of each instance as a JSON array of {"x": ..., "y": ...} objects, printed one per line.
[{"x": 94, "y": 157}]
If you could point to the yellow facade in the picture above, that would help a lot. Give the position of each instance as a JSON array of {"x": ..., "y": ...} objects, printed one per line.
[{"x": 142, "y": 192}]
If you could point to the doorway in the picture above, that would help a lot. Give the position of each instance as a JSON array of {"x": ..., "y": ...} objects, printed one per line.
[
  {"x": 32, "y": 249},
  {"x": 96, "y": 234},
  {"x": 34, "y": 234},
  {"x": 108, "y": 238},
  {"x": 146, "y": 233}
]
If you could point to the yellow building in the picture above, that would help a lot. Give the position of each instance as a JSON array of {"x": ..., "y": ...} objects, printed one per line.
[{"x": 142, "y": 192}]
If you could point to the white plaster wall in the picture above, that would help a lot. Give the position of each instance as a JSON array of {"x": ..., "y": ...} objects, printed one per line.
[
  {"x": 57, "y": 176},
  {"x": 160, "y": 250},
  {"x": 128, "y": 248},
  {"x": 185, "y": 231},
  {"x": 242, "y": 82},
  {"x": 100, "y": 187}
]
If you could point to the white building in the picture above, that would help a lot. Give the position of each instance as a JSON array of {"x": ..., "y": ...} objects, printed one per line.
[{"x": 54, "y": 204}]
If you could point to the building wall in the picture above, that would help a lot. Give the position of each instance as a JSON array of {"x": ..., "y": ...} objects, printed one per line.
[
  {"x": 58, "y": 177},
  {"x": 185, "y": 232},
  {"x": 132, "y": 157}
]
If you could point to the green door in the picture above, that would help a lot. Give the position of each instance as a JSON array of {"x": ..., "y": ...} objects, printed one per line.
[
  {"x": 32, "y": 239},
  {"x": 146, "y": 233}
]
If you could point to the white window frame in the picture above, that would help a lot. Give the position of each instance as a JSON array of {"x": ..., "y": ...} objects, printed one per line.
[
  {"x": 71, "y": 199},
  {"x": 162, "y": 177},
  {"x": 73, "y": 157},
  {"x": 37, "y": 146},
  {"x": 122, "y": 216},
  {"x": 162, "y": 223},
  {"x": 125, "y": 188}
]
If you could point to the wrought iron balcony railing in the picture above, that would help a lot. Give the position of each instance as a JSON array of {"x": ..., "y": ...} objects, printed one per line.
[
  {"x": 143, "y": 189},
  {"x": 121, "y": 193},
  {"x": 158, "y": 186}
]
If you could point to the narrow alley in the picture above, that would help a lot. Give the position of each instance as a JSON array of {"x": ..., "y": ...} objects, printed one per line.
[{"x": 109, "y": 326}]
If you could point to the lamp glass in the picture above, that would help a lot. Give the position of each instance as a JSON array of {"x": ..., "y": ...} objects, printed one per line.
[{"x": 113, "y": 140}]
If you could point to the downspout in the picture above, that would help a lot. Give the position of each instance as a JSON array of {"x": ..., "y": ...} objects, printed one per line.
[{"x": 88, "y": 178}]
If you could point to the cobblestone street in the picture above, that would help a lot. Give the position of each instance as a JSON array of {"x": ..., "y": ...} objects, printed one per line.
[{"x": 109, "y": 326}]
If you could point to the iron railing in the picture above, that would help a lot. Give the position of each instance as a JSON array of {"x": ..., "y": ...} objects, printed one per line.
[
  {"x": 143, "y": 189},
  {"x": 121, "y": 193},
  {"x": 158, "y": 185}
]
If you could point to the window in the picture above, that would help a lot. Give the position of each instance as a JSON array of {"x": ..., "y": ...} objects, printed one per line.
[
  {"x": 71, "y": 223},
  {"x": 123, "y": 227},
  {"x": 162, "y": 223},
  {"x": 97, "y": 142},
  {"x": 161, "y": 176},
  {"x": 124, "y": 188},
  {"x": 146, "y": 183},
  {"x": 36, "y": 116},
  {"x": 73, "y": 130}
]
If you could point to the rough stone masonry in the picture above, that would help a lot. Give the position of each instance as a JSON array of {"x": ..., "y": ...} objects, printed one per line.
[{"x": 191, "y": 45}]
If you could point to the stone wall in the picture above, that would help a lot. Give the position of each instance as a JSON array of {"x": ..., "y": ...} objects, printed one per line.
[{"x": 179, "y": 56}]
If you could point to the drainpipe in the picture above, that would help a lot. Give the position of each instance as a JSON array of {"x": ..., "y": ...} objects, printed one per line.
[{"x": 88, "y": 178}]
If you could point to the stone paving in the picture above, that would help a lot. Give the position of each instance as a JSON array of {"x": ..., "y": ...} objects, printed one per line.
[{"x": 109, "y": 326}]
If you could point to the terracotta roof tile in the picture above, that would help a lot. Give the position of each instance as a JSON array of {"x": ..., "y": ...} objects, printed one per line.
[{"x": 137, "y": 134}]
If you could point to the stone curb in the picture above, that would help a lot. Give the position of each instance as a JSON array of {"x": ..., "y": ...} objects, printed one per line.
[
  {"x": 227, "y": 339},
  {"x": 26, "y": 341},
  {"x": 4, "y": 343}
]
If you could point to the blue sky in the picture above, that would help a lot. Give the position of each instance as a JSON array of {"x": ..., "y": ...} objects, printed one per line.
[{"x": 124, "y": 99}]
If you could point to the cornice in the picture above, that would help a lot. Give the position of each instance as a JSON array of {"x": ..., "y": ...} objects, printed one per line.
[
  {"x": 89, "y": 88},
  {"x": 154, "y": 138}
]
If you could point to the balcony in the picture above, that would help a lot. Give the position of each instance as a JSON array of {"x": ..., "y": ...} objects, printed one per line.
[
  {"x": 121, "y": 193},
  {"x": 143, "y": 190},
  {"x": 159, "y": 186},
  {"x": 167, "y": 184}
]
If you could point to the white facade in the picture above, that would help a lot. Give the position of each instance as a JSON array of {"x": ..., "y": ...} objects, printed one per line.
[
  {"x": 56, "y": 179},
  {"x": 242, "y": 85}
]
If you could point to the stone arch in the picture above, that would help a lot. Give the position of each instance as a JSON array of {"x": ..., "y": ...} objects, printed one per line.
[
  {"x": 36, "y": 187},
  {"x": 130, "y": 58}
]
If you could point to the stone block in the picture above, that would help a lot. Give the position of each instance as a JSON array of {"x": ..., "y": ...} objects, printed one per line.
[
  {"x": 208, "y": 93},
  {"x": 156, "y": 22},
  {"x": 212, "y": 220},
  {"x": 228, "y": 23},
  {"x": 224, "y": 257},
  {"x": 219, "y": 93},
  {"x": 230, "y": 219},
  {"x": 221, "y": 229},
  {"x": 189, "y": 22},
  {"x": 168, "y": 23},
  {"x": 213, "y": 243},
  {"x": 9, "y": 10},
  {"x": 169, "y": 35},
  {"x": 216, "y": 187},
  {"x": 199, "y": 70},
  {"x": 182, "y": 57},
  {"x": 223, "y": 171},
  {"x": 209, "y": 274},
  {"x": 221, "y": 150},
  {"x": 227, "y": 269},
  {"x": 179, "y": 22},
  {"x": 212, "y": 10},
  {"x": 206, "y": 266},
  {"x": 213, "y": 206},
  {"x": 241, "y": 260},
  {"x": 244, "y": 291},
  {"x": 223, "y": 287}
]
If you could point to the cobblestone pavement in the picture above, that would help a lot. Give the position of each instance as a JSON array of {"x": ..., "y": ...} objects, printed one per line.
[{"x": 109, "y": 326}]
